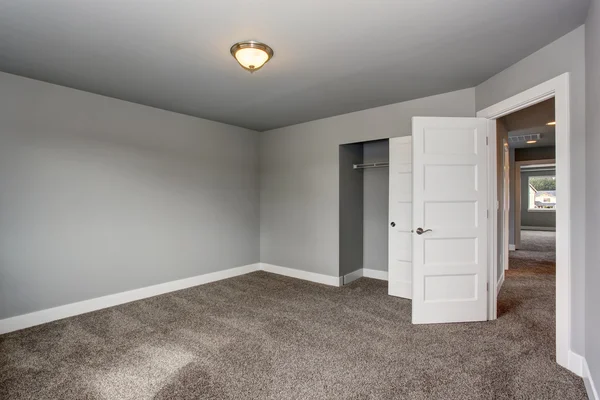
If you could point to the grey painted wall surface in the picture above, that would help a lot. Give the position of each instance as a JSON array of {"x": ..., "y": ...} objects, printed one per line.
[
  {"x": 101, "y": 196},
  {"x": 566, "y": 54},
  {"x": 351, "y": 209},
  {"x": 592, "y": 316},
  {"x": 545, "y": 219},
  {"x": 299, "y": 217},
  {"x": 376, "y": 206}
]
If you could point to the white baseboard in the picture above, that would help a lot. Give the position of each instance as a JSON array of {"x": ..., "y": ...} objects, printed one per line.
[
  {"x": 82, "y": 307},
  {"x": 304, "y": 275},
  {"x": 575, "y": 363},
  {"x": 512, "y": 247},
  {"x": 500, "y": 282},
  {"x": 69, "y": 310},
  {"x": 352, "y": 276},
  {"x": 375, "y": 274},
  {"x": 589, "y": 382}
]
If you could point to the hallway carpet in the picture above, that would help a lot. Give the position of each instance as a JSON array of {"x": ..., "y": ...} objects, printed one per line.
[
  {"x": 263, "y": 336},
  {"x": 538, "y": 246}
]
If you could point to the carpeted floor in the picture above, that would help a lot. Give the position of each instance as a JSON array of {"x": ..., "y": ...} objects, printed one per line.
[
  {"x": 263, "y": 336},
  {"x": 537, "y": 246}
]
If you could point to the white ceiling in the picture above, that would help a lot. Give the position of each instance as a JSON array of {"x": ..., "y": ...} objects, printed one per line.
[{"x": 331, "y": 56}]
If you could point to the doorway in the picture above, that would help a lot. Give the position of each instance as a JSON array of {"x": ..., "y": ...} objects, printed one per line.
[
  {"x": 557, "y": 89},
  {"x": 526, "y": 185}
]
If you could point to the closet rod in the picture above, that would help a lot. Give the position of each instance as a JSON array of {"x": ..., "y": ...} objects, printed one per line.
[{"x": 371, "y": 165}]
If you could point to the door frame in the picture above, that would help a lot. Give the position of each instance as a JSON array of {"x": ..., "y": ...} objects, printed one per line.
[
  {"x": 518, "y": 194},
  {"x": 559, "y": 89},
  {"x": 505, "y": 204}
]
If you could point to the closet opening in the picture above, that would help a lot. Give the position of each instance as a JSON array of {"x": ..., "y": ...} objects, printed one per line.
[{"x": 363, "y": 210}]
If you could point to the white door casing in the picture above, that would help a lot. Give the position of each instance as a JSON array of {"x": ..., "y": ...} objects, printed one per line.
[
  {"x": 400, "y": 215},
  {"x": 559, "y": 88},
  {"x": 450, "y": 197},
  {"x": 506, "y": 207}
]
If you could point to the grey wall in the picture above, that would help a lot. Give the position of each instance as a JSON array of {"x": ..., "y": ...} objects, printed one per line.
[
  {"x": 299, "y": 226},
  {"x": 566, "y": 54},
  {"x": 101, "y": 196},
  {"x": 592, "y": 316},
  {"x": 545, "y": 219},
  {"x": 351, "y": 209},
  {"x": 376, "y": 193}
]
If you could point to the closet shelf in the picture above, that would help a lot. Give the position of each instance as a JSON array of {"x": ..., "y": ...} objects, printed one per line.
[{"x": 371, "y": 165}]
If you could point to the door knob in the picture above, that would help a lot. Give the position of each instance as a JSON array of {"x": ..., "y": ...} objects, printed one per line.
[
  {"x": 420, "y": 231},
  {"x": 393, "y": 224}
]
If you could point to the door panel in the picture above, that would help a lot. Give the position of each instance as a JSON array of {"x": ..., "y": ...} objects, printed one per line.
[
  {"x": 449, "y": 198},
  {"x": 451, "y": 214},
  {"x": 400, "y": 211}
]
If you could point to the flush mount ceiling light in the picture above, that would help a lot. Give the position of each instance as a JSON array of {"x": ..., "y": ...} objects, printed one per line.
[{"x": 251, "y": 55}]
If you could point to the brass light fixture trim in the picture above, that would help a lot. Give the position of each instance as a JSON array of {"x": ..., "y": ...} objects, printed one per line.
[{"x": 251, "y": 60}]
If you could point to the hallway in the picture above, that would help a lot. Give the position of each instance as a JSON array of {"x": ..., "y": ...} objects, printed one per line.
[
  {"x": 531, "y": 278},
  {"x": 528, "y": 296},
  {"x": 537, "y": 247}
]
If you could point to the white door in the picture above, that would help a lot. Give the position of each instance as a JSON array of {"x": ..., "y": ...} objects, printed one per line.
[
  {"x": 400, "y": 212},
  {"x": 450, "y": 192}
]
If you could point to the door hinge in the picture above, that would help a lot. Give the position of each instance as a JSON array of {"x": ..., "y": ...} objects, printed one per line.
[
  {"x": 487, "y": 141},
  {"x": 488, "y": 213},
  {"x": 487, "y": 287}
]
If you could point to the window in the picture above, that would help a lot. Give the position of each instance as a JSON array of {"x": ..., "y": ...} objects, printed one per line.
[{"x": 542, "y": 193}]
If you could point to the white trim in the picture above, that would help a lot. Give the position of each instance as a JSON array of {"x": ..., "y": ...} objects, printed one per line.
[
  {"x": 505, "y": 204},
  {"x": 365, "y": 272},
  {"x": 517, "y": 217},
  {"x": 299, "y": 274},
  {"x": 375, "y": 274},
  {"x": 576, "y": 363},
  {"x": 352, "y": 276},
  {"x": 559, "y": 89},
  {"x": 492, "y": 220},
  {"x": 500, "y": 282},
  {"x": 590, "y": 387},
  {"x": 512, "y": 247},
  {"x": 86, "y": 306}
]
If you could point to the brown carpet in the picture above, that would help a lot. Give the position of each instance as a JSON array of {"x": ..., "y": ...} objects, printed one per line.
[{"x": 263, "y": 336}]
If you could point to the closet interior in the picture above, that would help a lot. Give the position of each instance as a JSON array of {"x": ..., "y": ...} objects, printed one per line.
[{"x": 363, "y": 208}]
